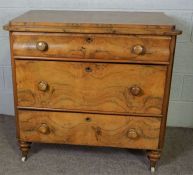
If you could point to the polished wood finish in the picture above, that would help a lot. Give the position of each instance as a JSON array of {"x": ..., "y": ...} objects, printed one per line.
[
  {"x": 87, "y": 129},
  {"x": 43, "y": 86},
  {"x": 153, "y": 156},
  {"x": 153, "y": 23},
  {"x": 14, "y": 85},
  {"x": 136, "y": 90},
  {"x": 44, "y": 129},
  {"x": 24, "y": 147},
  {"x": 92, "y": 78},
  {"x": 167, "y": 92},
  {"x": 91, "y": 86},
  {"x": 138, "y": 49},
  {"x": 92, "y": 46},
  {"x": 42, "y": 46}
]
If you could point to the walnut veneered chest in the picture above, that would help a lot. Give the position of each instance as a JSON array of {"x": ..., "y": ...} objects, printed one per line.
[{"x": 92, "y": 78}]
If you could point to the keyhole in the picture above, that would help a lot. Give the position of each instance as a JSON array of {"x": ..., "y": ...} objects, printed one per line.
[
  {"x": 88, "y": 69},
  {"x": 88, "y": 119},
  {"x": 89, "y": 40}
]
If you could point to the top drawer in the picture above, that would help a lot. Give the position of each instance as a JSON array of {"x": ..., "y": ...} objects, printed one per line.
[{"x": 92, "y": 46}]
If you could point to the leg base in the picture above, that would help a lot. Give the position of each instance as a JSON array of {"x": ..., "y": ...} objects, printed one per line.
[
  {"x": 153, "y": 156},
  {"x": 24, "y": 147}
]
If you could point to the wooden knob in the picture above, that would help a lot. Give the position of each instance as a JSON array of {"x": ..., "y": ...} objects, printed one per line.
[
  {"x": 43, "y": 86},
  {"x": 132, "y": 134},
  {"x": 42, "y": 46},
  {"x": 138, "y": 50},
  {"x": 44, "y": 129},
  {"x": 135, "y": 90}
]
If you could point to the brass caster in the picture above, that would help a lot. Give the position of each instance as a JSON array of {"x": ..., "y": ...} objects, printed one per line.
[
  {"x": 152, "y": 169},
  {"x": 23, "y": 158}
]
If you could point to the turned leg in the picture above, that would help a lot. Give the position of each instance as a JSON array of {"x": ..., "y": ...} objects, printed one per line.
[
  {"x": 153, "y": 156},
  {"x": 24, "y": 147}
]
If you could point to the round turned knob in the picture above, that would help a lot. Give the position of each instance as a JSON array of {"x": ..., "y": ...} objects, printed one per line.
[
  {"x": 135, "y": 90},
  {"x": 42, "y": 46},
  {"x": 44, "y": 129},
  {"x": 138, "y": 50},
  {"x": 132, "y": 134},
  {"x": 43, "y": 86}
]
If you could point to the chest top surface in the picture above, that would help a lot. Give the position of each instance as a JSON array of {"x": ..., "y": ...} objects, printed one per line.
[{"x": 94, "y": 22}]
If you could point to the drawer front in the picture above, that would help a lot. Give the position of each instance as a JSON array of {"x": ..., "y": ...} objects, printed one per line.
[
  {"x": 89, "y": 129},
  {"x": 101, "y": 47},
  {"x": 97, "y": 87}
]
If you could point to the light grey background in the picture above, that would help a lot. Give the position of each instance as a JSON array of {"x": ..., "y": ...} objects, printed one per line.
[{"x": 181, "y": 99}]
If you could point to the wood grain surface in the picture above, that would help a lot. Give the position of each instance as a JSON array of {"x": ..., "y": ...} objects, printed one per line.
[
  {"x": 94, "y": 22},
  {"x": 89, "y": 129},
  {"x": 92, "y": 78},
  {"x": 93, "y": 46},
  {"x": 91, "y": 86}
]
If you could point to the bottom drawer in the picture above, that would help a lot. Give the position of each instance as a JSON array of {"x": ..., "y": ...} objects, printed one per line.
[{"x": 89, "y": 129}]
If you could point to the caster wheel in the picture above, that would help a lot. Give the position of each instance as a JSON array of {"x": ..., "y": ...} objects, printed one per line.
[
  {"x": 152, "y": 169},
  {"x": 24, "y": 158}
]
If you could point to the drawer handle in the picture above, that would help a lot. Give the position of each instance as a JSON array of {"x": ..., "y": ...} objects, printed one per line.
[
  {"x": 138, "y": 50},
  {"x": 44, "y": 129},
  {"x": 43, "y": 86},
  {"x": 42, "y": 46},
  {"x": 132, "y": 134},
  {"x": 135, "y": 90}
]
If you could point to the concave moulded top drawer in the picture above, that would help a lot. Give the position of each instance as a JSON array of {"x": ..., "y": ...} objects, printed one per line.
[{"x": 99, "y": 47}]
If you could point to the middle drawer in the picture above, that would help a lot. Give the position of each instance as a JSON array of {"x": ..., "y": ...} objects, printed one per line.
[{"x": 97, "y": 87}]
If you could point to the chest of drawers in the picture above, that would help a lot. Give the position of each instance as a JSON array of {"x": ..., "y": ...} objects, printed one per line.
[{"x": 92, "y": 78}]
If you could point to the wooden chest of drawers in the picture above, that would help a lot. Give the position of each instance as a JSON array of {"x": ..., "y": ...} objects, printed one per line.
[{"x": 92, "y": 78}]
